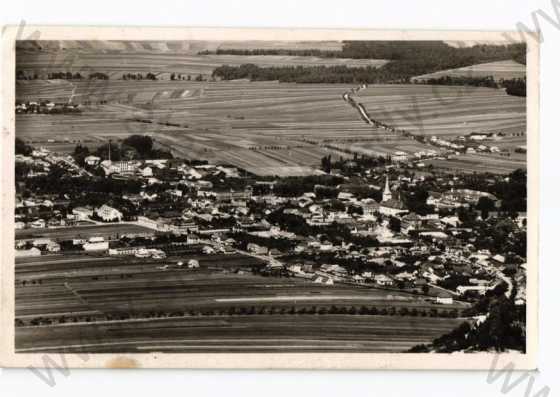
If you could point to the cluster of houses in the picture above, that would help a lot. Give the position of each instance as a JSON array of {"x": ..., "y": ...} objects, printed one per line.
[
  {"x": 38, "y": 246},
  {"x": 191, "y": 203},
  {"x": 476, "y": 142},
  {"x": 41, "y": 160},
  {"x": 46, "y": 107},
  {"x": 469, "y": 144}
]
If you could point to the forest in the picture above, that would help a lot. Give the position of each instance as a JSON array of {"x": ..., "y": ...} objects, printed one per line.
[{"x": 408, "y": 59}]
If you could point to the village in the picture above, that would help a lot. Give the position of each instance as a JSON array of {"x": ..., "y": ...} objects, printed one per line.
[{"x": 425, "y": 232}]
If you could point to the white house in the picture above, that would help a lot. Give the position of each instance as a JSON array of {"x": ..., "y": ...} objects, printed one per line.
[
  {"x": 193, "y": 264},
  {"x": 38, "y": 224},
  {"x": 96, "y": 246},
  {"x": 92, "y": 160},
  {"x": 124, "y": 250},
  {"x": 53, "y": 247},
  {"x": 147, "y": 172},
  {"x": 399, "y": 156},
  {"x": 382, "y": 279},
  {"x": 83, "y": 213},
  {"x": 480, "y": 289},
  {"x": 256, "y": 249},
  {"x": 444, "y": 300},
  {"x": 109, "y": 213},
  {"x": 207, "y": 250}
]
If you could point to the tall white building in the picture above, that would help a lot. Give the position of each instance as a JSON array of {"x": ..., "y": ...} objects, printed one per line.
[{"x": 387, "y": 195}]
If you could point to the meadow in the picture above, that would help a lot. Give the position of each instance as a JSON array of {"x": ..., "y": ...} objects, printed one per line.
[
  {"x": 124, "y": 304},
  {"x": 161, "y": 62},
  {"x": 498, "y": 70},
  {"x": 266, "y": 128}
]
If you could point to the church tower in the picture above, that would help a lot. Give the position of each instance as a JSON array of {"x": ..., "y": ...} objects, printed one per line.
[{"x": 387, "y": 195}]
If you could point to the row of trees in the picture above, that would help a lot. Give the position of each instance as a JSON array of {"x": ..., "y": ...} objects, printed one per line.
[
  {"x": 188, "y": 77},
  {"x": 243, "y": 311},
  {"x": 139, "y": 76},
  {"x": 98, "y": 76},
  {"x": 487, "y": 81},
  {"x": 21, "y": 75}
]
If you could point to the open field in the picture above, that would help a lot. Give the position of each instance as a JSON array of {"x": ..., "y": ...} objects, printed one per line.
[
  {"x": 65, "y": 233},
  {"x": 162, "y": 63},
  {"x": 387, "y": 147},
  {"x": 445, "y": 110},
  {"x": 205, "y": 309},
  {"x": 498, "y": 70},
  {"x": 267, "y": 128},
  {"x": 260, "y": 333},
  {"x": 262, "y": 127},
  {"x": 481, "y": 163}
]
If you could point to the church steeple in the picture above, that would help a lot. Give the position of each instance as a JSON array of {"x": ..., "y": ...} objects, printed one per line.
[{"x": 387, "y": 195}]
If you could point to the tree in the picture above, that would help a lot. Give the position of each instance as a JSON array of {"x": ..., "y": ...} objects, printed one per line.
[
  {"x": 466, "y": 216},
  {"x": 80, "y": 153},
  {"x": 326, "y": 164},
  {"x": 485, "y": 205},
  {"x": 143, "y": 144},
  {"x": 416, "y": 201},
  {"x": 103, "y": 151},
  {"x": 395, "y": 224},
  {"x": 23, "y": 148}
]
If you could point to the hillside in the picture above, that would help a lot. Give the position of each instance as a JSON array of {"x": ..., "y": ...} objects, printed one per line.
[
  {"x": 498, "y": 70},
  {"x": 176, "y": 46}
]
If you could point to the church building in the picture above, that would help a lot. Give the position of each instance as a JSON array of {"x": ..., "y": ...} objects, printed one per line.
[{"x": 389, "y": 205}]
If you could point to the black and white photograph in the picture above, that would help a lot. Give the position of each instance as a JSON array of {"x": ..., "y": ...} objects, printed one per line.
[{"x": 271, "y": 196}]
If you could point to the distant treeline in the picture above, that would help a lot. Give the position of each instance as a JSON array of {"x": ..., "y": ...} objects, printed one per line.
[
  {"x": 517, "y": 87},
  {"x": 513, "y": 86},
  {"x": 358, "y": 75},
  {"x": 139, "y": 76},
  {"x": 487, "y": 81},
  {"x": 272, "y": 51},
  {"x": 394, "y": 72},
  {"x": 409, "y": 59},
  {"x": 399, "y": 50},
  {"x": 21, "y": 75},
  {"x": 309, "y": 74}
]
